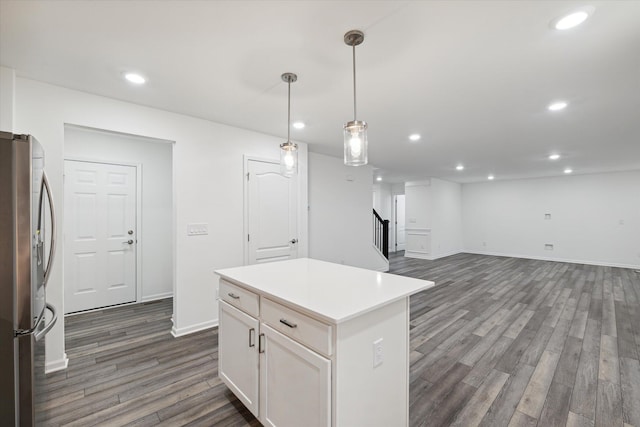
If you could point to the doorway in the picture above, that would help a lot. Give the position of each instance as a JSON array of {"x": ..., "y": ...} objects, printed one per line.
[{"x": 154, "y": 230}]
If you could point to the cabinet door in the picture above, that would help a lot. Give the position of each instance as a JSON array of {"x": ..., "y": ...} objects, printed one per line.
[
  {"x": 238, "y": 358},
  {"x": 295, "y": 383}
]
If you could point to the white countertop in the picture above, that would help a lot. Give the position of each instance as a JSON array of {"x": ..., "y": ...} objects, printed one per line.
[{"x": 332, "y": 292}]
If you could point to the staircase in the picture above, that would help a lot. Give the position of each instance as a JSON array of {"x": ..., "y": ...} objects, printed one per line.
[{"x": 381, "y": 234}]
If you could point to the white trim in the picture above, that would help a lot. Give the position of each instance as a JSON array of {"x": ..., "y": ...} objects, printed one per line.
[
  {"x": 156, "y": 297},
  {"x": 419, "y": 255},
  {"x": 571, "y": 261},
  {"x": 57, "y": 365},
  {"x": 180, "y": 332},
  {"x": 446, "y": 254}
]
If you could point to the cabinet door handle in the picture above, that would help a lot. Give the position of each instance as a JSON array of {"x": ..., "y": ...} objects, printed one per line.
[
  {"x": 234, "y": 296},
  {"x": 260, "y": 343},
  {"x": 289, "y": 324},
  {"x": 252, "y": 334}
]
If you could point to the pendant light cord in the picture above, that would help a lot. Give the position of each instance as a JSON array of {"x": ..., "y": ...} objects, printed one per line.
[
  {"x": 354, "y": 82},
  {"x": 289, "y": 111}
]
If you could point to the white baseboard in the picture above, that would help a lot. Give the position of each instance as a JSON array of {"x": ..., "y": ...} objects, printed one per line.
[
  {"x": 571, "y": 261},
  {"x": 429, "y": 257},
  {"x": 419, "y": 255},
  {"x": 57, "y": 365},
  {"x": 180, "y": 332},
  {"x": 156, "y": 297}
]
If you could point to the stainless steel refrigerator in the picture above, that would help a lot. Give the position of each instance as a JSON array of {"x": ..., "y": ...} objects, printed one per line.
[{"x": 27, "y": 249}]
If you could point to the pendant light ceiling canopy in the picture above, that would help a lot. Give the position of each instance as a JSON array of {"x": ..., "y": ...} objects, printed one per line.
[
  {"x": 289, "y": 150},
  {"x": 355, "y": 131}
]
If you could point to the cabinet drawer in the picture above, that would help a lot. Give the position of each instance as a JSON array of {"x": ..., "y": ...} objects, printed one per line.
[
  {"x": 298, "y": 326},
  {"x": 245, "y": 300}
]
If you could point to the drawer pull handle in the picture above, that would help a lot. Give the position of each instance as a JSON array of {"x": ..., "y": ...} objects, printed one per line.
[
  {"x": 289, "y": 324},
  {"x": 260, "y": 343},
  {"x": 252, "y": 333},
  {"x": 234, "y": 296}
]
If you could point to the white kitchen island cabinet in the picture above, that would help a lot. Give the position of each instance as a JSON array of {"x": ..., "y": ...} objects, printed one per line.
[{"x": 310, "y": 343}]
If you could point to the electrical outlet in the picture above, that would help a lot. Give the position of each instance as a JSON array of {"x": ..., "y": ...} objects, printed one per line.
[
  {"x": 378, "y": 354},
  {"x": 548, "y": 247},
  {"x": 547, "y": 216}
]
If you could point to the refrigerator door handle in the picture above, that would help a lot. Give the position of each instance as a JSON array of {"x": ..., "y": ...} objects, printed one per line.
[
  {"x": 34, "y": 331},
  {"x": 47, "y": 328},
  {"x": 52, "y": 249}
]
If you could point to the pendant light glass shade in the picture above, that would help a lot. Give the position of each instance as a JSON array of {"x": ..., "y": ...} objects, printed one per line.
[
  {"x": 288, "y": 158},
  {"x": 355, "y": 143},
  {"x": 355, "y": 131},
  {"x": 289, "y": 150}
]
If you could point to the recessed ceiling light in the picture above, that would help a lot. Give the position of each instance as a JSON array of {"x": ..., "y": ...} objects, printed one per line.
[
  {"x": 568, "y": 170},
  {"x": 557, "y": 106},
  {"x": 554, "y": 157},
  {"x": 572, "y": 20},
  {"x": 298, "y": 125},
  {"x": 414, "y": 137},
  {"x": 379, "y": 178},
  {"x": 490, "y": 177},
  {"x": 135, "y": 78},
  {"x": 460, "y": 167}
]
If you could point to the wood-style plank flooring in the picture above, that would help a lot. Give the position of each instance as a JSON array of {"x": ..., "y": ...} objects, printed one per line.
[{"x": 498, "y": 342}]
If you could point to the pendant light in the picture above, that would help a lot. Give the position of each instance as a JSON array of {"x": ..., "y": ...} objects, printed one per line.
[
  {"x": 355, "y": 131},
  {"x": 289, "y": 150}
]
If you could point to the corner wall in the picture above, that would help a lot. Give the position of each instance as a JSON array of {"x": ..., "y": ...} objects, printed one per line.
[
  {"x": 340, "y": 216},
  {"x": 593, "y": 219}
]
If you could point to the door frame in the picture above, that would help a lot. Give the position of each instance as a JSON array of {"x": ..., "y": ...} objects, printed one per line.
[{"x": 139, "y": 243}]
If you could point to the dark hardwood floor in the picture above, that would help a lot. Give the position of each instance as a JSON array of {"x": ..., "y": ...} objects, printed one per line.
[{"x": 499, "y": 341}]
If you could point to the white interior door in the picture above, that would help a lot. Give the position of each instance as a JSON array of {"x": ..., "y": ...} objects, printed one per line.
[
  {"x": 99, "y": 235},
  {"x": 400, "y": 226},
  {"x": 272, "y": 226}
]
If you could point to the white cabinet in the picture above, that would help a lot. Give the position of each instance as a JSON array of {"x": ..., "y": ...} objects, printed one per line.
[
  {"x": 332, "y": 343},
  {"x": 238, "y": 359},
  {"x": 281, "y": 382},
  {"x": 295, "y": 383}
]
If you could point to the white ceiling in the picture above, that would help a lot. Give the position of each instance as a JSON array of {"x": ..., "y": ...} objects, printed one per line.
[{"x": 473, "y": 77}]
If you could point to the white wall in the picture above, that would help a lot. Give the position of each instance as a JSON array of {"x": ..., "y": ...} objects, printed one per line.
[
  {"x": 433, "y": 219},
  {"x": 594, "y": 218},
  {"x": 340, "y": 217},
  {"x": 446, "y": 214},
  {"x": 155, "y": 233},
  {"x": 208, "y": 187},
  {"x": 7, "y": 99}
]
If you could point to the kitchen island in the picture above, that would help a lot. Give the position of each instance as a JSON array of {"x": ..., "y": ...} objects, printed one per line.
[{"x": 310, "y": 343}]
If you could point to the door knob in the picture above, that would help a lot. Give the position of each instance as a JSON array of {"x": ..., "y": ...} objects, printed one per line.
[
  {"x": 129, "y": 242},
  {"x": 294, "y": 241}
]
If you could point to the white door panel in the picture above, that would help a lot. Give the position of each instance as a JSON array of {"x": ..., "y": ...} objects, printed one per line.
[
  {"x": 295, "y": 384},
  {"x": 271, "y": 211},
  {"x": 100, "y": 220},
  {"x": 238, "y": 359}
]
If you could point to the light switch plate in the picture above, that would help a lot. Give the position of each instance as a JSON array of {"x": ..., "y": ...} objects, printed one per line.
[
  {"x": 200, "y": 229},
  {"x": 378, "y": 354}
]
